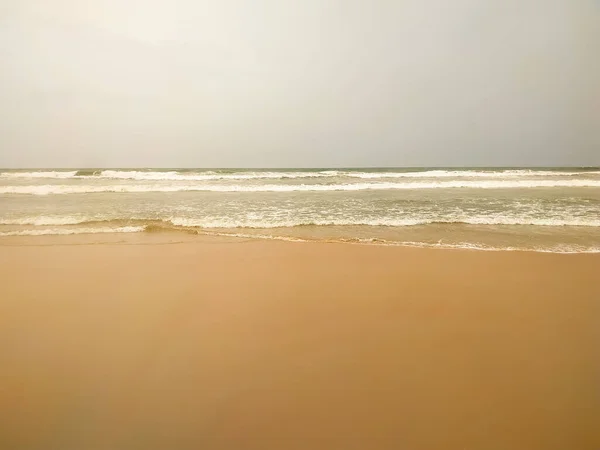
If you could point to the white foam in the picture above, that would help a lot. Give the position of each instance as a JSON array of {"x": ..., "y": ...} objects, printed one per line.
[
  {"x": 138, "y": 188},
  {"x": 62, "y": 231},
  {"x": 382, "y": 222},
  {"x": 561, "y": 249},
  {"x": 256, "y": 236},
  {"x": 274, "y": 223}
]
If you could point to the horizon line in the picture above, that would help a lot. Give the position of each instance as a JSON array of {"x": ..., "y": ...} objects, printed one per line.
[{"x": 294, "y": 167}]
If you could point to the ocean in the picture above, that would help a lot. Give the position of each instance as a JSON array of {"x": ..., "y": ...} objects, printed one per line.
[{"x": 541, "y": 209}]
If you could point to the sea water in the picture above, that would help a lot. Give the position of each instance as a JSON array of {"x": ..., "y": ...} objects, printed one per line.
[{"x": 541, "y": 209}]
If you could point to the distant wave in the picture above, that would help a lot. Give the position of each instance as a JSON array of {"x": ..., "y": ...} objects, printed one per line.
[
  {"x": 258, "y": 175},
  {"x": 209, "y": 176},
  {"x": 139, "y": 188},
  {"x": 40, "y": 174},
  {"x": 503, "y": 174},
  {"x": 167, "y": 176},
  {"x": 87, "y": 173}
]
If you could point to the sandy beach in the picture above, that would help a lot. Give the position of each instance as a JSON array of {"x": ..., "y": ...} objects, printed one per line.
[{"x": 137, "y": 342}]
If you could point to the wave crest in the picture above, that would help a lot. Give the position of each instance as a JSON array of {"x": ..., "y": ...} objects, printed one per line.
[
  {"x": 267, "y": 223},
  {"x": 210, "y": 175},
  {"x": 49, "y": 189}
]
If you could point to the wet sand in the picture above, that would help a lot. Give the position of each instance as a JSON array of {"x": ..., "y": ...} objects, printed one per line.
[{"x": 214, "y": 343}]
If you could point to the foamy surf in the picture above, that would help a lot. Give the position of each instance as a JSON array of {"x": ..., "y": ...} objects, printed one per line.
[
  {"x": 384, "y": 222},
  {"x": 52, "y": 189},
  {"x": 266, "y": 222}
]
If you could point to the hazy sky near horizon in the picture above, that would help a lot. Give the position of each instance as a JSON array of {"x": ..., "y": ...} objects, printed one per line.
[{"x": 307, "y": 83}]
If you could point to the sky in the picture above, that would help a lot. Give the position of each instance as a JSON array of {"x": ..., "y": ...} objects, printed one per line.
[{"x": 305, "y": 83}]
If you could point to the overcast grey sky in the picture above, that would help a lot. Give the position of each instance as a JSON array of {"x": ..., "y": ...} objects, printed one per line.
[{"x": 259, "y": 83}]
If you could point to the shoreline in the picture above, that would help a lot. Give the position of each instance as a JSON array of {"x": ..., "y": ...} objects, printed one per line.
[
  {"x": 186, "y": 235},
  {"x": 222, "y": 343}
]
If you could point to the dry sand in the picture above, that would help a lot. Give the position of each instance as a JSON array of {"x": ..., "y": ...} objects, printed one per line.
[{"x": 228, "y": 344}]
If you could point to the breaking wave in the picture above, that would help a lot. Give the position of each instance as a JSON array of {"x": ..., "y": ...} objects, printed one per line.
[
  {"x": 40, "y": 174},
  {"x": 208, "y": 175},
  {"x": 265, "y": 223},
  {"x": 139, "y": 188}
]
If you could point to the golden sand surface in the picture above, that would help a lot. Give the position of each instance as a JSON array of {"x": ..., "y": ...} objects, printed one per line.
[{"x": 159, "y": 342}]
